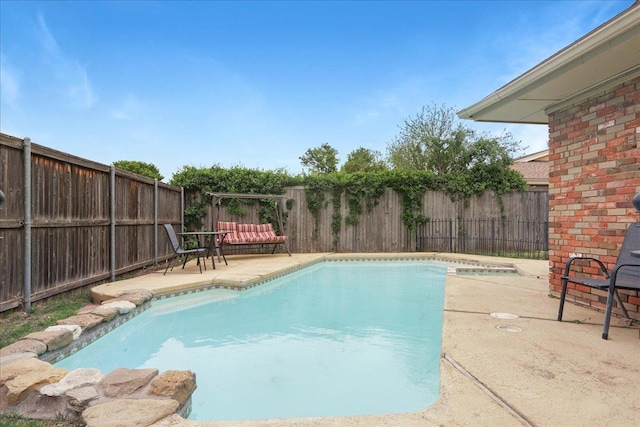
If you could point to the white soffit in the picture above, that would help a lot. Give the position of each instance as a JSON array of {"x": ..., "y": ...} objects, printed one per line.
[{"x": 595, "y": 61}]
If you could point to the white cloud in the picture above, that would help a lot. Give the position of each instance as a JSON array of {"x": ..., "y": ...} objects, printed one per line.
[
  {"x": 46, "y": 38},
  {"x": 394, "y": 102},
  {"x": 69, "y": 76},
  {"x": 376, "y": 106},
  {"x": 9, "y": 83},
  {"x": 128, "y": 109},
  {"x": 78, "y": 89}
]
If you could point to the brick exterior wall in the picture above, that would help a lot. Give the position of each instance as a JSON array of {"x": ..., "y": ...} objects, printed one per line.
[{"x": 594, "y": 153}]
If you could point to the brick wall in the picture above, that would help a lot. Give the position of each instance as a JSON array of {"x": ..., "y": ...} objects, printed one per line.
[{"x": 594, "y": 153}]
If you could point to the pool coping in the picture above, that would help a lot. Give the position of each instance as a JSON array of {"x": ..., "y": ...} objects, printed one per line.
[{"x": 108, "y": 291}]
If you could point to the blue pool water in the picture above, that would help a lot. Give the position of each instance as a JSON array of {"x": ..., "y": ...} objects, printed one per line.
[{"x": 336, "y": 338}]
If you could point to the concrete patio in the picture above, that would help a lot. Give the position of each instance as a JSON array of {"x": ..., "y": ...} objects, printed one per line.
[{"x": 548, "y": 374}]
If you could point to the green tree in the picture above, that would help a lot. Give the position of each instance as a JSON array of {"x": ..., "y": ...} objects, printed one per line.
[
  {"x": 364, "y": 160},
  {"x": 434, "y": 140},
  {"x": 320, "y": 160},
  {"x": 141, "y": 168},
  {"x": 488, "y": 162}
]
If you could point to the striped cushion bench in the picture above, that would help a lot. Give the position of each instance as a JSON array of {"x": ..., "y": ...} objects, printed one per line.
[{"x": 245, "y": 234}]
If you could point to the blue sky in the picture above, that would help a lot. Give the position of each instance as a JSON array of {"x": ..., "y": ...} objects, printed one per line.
[{"x": 256, "y": 84}]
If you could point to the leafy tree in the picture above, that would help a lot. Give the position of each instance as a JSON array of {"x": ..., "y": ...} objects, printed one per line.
[
  {"x": 435, "y": 141},
  {"x": 488, "y": 149},
  {"x": 141, "y": 168},
  {"x": 320, "y": 160},
  {"x": 364, "y": 160},
  {"x": 488, "y": 160}
]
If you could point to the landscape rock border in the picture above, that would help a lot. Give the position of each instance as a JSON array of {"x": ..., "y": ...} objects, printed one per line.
[{"x": 31, "y": 387}]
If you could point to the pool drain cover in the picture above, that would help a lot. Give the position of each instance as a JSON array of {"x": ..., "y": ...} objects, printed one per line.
[
  {"x": 504, "y": 315},
  {"x": 508, "y": 328}
]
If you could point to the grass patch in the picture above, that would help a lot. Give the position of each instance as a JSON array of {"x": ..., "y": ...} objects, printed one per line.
[
  {"x": 14, "y": 324},
  {"x": 17, "y": 421}
]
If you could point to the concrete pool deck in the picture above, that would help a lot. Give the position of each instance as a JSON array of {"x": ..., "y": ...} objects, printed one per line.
[{"x": 549, "y": 374}]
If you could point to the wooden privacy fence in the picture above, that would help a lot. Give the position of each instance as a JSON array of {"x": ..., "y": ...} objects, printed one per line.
[
  {"x": 68, "y": 222},
  {"x": 382, "y": 229}
]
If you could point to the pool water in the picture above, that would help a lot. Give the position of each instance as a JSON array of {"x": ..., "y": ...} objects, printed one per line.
[{"x": 337, "y": 338}]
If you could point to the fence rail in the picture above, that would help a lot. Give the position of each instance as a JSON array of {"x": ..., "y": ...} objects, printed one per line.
[{"x": 493, "y": 236}]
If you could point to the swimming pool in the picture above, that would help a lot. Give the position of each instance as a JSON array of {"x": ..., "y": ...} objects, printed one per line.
[{"x": 336, "y": 338}]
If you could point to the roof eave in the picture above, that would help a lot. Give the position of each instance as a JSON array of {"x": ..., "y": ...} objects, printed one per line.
[{"x": 625, "y": 24}]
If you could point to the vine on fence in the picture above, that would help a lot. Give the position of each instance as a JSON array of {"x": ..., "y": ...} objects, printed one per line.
[
  {"x": 202, "y": 181},
  {"x": 361, "y": 191},
  {"x": 316, "y": 188}
]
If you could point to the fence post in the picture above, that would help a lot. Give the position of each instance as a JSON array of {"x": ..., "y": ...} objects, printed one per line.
[
  {"x": 450, "y": 235},
  {"x": 493, "y": 236},
  {"x": 155, "y": 222},
  {"x": 27, "y": 225},
  {"x": 112, "y": 225}
]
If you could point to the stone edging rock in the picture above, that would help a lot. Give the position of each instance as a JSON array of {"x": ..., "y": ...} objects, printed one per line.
[{"x": 33, "y": 388}]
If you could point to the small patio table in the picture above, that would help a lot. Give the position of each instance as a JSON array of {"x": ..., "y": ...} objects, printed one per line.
[{"x": 217, "y": 242}]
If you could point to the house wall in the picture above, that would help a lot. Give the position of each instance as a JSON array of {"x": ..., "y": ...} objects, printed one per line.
[{"x": 594, "y": 174}]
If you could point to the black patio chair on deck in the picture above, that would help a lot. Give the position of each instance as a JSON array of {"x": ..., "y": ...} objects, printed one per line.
[
  {"x": 625, "y": 274},
  {"x": 180, "y": 251}
]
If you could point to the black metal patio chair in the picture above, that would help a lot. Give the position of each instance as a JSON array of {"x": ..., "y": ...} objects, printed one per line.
[
  {"x": 179, "y": 250},
  {"x": 625, "y": 274}
]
